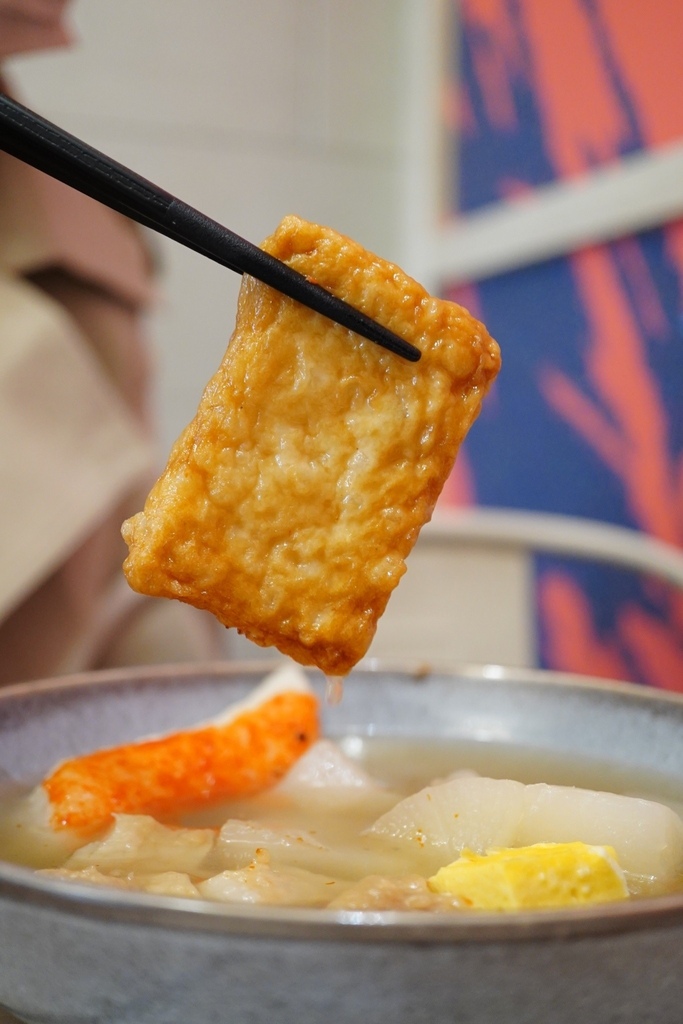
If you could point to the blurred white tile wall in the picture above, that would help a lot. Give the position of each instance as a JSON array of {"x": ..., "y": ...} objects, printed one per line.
[{"x": 247, "y": 110}]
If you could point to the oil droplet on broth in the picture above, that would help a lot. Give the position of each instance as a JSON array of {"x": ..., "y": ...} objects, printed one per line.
[{"x": 334, "y": 690}]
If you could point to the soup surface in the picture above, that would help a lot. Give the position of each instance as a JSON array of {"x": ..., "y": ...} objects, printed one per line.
[{"x": 340, "y": 831}]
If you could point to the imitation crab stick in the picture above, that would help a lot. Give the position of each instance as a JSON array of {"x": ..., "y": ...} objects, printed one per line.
[{"x": 245, "y": 750}]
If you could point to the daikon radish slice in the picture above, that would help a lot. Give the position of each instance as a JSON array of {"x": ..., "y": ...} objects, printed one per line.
[
  {"x": 138, "y": 843},
  {"x": 326, "y": 766},
  {"x": 275, "y": 886},
  {"x": 647, "y": 836},
  {"x": 435, "y": 824}
]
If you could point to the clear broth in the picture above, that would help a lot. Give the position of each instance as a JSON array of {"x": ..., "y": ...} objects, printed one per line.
[{"x": 403, "y": 766}]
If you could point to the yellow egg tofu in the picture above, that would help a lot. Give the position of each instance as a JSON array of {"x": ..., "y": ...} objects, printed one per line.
[
  {"x": 290, "y": 502},
  {"x": 529, "y": 877}
]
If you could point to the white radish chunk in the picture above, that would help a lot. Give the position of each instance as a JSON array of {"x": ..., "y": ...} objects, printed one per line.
[
  {"x": 434, "y": 825},
  {"x": 647, "y": 836},
  {"x": 240, "y": 842},
  {"x": 325, "y": 766},
  {"x": 260, "y": 883},
  {"x": 327, "y": 783},
  {"x": 27, "y": 833},
  {"x": 138, "y": 843}
]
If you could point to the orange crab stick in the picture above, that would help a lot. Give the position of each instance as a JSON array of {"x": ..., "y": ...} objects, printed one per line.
[{"x": 246, "y": 750}]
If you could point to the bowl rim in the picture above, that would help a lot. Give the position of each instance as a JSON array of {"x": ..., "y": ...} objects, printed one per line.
[{"x": 22, "y": 884}]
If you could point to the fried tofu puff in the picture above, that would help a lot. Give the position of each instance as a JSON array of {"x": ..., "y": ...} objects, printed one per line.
[{"x": 292, "y": 499}]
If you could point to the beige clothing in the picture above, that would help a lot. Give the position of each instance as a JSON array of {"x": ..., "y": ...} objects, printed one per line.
[{"x": 75, "y": 449}]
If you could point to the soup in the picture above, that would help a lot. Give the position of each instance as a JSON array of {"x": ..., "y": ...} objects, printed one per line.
[{"x": 354, "y": 823}]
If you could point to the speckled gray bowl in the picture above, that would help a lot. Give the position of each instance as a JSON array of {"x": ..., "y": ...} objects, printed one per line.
[{"x": 75, "y": 955}]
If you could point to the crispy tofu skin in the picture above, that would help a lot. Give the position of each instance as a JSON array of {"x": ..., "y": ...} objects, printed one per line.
[{"x": 291, "y": 500}]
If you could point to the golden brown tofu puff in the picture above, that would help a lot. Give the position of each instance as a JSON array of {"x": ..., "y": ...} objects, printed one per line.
[{"x": 290, "y": 502}]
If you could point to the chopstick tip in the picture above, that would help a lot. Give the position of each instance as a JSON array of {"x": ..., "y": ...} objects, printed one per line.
[{"x": 412, "y": 354}]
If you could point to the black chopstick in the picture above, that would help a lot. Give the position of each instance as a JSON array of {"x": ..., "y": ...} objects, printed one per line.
[{"x": 43, "y": 145}]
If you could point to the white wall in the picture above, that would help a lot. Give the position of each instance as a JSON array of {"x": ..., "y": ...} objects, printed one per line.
[{"x": 247, "y": 109}]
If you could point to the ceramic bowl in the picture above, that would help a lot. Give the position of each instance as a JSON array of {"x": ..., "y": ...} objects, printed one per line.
[{"x": 73, "y": 954}]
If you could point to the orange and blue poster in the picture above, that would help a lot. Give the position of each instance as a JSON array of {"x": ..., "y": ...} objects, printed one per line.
[{"x": 587, "y": 416}]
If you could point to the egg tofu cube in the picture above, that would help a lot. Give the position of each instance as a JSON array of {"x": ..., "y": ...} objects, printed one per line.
[{"x": 529, "y": 877}]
